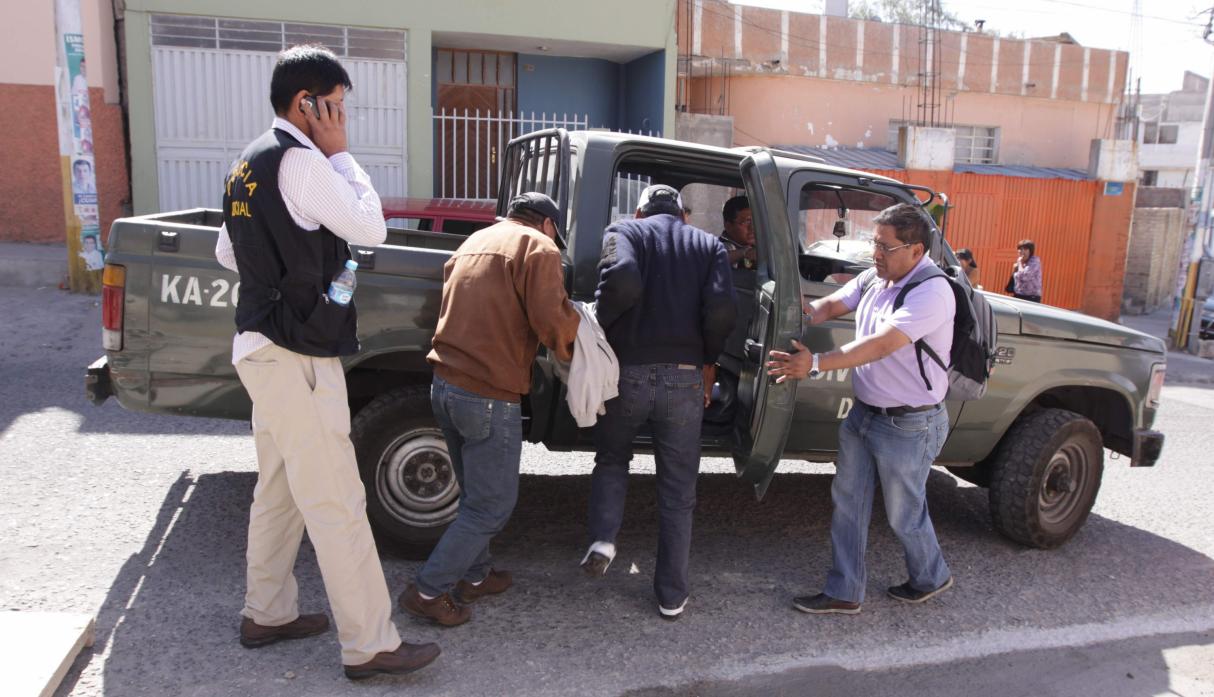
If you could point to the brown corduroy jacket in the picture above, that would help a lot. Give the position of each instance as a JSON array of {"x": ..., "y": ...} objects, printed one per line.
[{"x": 503, "y": 295}]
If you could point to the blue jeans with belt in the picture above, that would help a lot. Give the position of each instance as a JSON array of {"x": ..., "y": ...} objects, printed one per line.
[
  {"x": 670, "y": 399},
  {"x": 485, "y": 440},
  {"x": 899, "y": 450}
]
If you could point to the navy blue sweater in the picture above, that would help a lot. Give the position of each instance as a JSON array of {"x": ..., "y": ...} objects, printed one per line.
[{"x": 665, "y": 292}]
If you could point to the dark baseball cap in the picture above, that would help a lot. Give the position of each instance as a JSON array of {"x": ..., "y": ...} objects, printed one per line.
[
  {"x": 537, "y": 203},
  {"x": 967, "y": 255},
  {"x": 660, "y": 198}
]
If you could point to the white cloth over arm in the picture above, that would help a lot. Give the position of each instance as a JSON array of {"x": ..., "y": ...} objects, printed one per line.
[{"x": 594, "y": 373}]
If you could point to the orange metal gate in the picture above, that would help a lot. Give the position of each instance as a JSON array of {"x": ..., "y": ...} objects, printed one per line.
[{"x": 990, "y": 214}]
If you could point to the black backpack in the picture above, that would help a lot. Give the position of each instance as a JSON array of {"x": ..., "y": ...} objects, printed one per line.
[{"x": 972, "y": 354}]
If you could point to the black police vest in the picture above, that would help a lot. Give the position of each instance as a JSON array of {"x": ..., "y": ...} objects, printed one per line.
[{"x": 285, "y": 270}]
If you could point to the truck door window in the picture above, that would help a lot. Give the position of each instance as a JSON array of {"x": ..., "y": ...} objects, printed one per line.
[
  {"x": 835, "y": 230},
  {"x": 411, "y": 223}
]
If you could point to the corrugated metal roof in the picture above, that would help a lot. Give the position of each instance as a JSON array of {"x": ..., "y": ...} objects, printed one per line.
[
  {"x": 1025, "y": 171},
  {"x": 854, "y": 158},
  {"x": 878, "y": 158}
]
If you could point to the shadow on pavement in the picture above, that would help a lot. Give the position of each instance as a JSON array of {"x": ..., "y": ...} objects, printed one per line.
[{"x": 169, "y": 622}]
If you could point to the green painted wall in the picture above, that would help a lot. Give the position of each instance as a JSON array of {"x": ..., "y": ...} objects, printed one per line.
[{"x": 613, "y": 22}]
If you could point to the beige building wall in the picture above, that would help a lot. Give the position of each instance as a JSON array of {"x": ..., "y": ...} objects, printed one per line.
[
  {"x": 33, "y": 194},
  {"x": 791, "y": 78},
  {"x": 28, "y": 45},
  {"x": 786, "y": 110}
]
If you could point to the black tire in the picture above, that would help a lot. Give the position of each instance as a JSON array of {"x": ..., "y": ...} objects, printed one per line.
[
  {"x": 412, "y": 493},
  {"x": 1045, "y": 474}
]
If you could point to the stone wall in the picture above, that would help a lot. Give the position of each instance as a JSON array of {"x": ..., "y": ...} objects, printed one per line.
[{"x": 1152, "y": 260}]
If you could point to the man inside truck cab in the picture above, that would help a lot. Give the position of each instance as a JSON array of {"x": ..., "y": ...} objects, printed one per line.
[
  {"x": 898, "y": 423},
  {"x": 292, "y": 201},
  {"x": 739, "y": 233}
]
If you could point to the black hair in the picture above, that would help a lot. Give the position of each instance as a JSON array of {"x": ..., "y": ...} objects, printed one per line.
[
  {"x": 1028, "y": 244},
  {"x": 82, "y": 161},
  {"x": 309, "y": 67},
  {"x": 528, "y": 217},
  {"x": 908, "y": 223},
  {"x": 733, "y": 206}
]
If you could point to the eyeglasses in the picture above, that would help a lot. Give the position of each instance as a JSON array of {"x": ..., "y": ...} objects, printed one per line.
[{"x": 886, "y": 249}]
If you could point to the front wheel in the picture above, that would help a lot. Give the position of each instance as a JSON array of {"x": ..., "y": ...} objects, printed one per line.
[
  {"x": 412, "y": 491},
  {"x": 1044, "y": 477}
]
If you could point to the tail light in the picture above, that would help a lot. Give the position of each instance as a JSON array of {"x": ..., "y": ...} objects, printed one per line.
[
  {"x": 113, "y": 297},
  {"x": 1157, "y": 374}
]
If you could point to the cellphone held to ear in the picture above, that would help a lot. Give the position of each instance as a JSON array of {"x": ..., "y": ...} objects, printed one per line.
[{"x": 310, "y": 102}]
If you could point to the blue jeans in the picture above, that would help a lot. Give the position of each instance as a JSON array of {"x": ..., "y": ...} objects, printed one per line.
[
  {"x": 485, "y": 439},
  {"x": 900, "y": 450},
  {"x": 670, "y": 399}
]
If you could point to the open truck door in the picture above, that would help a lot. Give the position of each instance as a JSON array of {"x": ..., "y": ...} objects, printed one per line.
[
  {"x": 762, "y": 423},
  {"x": 540, "y": 161}
]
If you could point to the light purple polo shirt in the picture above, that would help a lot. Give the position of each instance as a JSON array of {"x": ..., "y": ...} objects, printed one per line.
[{"x": 926, "y": 313}]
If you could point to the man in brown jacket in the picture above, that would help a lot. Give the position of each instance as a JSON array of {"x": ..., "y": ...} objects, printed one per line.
[{"x": 503, "y": 295}]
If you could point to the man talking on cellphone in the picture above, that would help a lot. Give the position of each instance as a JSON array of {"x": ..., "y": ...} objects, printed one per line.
[{"x": 293, "y": 202}]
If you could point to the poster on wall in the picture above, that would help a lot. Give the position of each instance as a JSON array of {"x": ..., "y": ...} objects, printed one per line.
[{"x": 84, "y": 175}]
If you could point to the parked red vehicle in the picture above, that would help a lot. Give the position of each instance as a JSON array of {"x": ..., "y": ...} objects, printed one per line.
[{"x": 451, "y": 215}]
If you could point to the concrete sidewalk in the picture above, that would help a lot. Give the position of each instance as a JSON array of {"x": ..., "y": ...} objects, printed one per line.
[
  {"x": 32, "y": 265},
  {"x": 1183, "y": 367}
]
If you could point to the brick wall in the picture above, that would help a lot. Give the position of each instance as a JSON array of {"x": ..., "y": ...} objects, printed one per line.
[
  {"x": 1152, "y": 259},
  {"x": 31, "y": 196}
]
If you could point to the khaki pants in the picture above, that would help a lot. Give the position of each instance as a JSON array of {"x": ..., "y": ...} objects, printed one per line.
[{"x": 308, "y": 476}]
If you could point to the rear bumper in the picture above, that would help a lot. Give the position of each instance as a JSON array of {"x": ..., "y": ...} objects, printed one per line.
[
  {"x": 1148, "y": 445},
  {"x": 97, "y": 385}
]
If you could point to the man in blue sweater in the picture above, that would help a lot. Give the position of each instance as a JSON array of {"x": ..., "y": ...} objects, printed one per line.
[{"x": 666, "y": 302}]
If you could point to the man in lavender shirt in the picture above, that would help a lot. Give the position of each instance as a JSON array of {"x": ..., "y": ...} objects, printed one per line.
[{"x": 898, "y": 424}]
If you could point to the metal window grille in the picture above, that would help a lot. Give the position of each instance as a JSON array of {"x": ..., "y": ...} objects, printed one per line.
[
  {"x": 272, "y": 37},
  {"x": 975, "y": 145}
]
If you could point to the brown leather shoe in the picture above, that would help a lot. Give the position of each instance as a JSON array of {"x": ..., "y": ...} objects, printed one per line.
[
  {"x": 405, "y": 659},
  {"x": 253, "y": 635},
  {"x": 496, "y": 582},
  {"x": 442, "y": 610}
]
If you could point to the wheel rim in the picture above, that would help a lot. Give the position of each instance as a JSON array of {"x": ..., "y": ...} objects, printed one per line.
[
  {"x": 1062, "y": 487},
  {"x": 416, "y": 481}
]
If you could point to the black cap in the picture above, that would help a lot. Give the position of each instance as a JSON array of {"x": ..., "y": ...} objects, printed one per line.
[
  {"x": 967, "y": 255},
  {"x": 535, "y": 202}
]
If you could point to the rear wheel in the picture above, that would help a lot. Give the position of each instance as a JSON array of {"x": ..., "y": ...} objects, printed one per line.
[
  {"x": 1044, "y": 477},
  {"x": 412, "y": 492}
]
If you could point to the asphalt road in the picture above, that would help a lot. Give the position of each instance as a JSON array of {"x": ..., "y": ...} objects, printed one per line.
[{"x": 140, "y": 520}]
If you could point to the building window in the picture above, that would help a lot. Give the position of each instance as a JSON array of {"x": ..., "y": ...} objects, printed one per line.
[
  {"x": 1149, "y": 177},
  {"x": 975, "y": 145},
  {"x": 272, "y": 37},
  {"x": 1155, "y": 133}
]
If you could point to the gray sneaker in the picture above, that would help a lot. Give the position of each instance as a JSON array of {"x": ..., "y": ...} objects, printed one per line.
[
  {"x": 907, "y": 594},
  {"x": 823, "y": 604}
]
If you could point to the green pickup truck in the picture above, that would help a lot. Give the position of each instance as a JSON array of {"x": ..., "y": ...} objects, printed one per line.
[{"x": 1065, "y": 386}]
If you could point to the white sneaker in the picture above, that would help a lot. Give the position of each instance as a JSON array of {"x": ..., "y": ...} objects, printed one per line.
[
  {"x": 672, "y": 613},
  {"x": 598, "y": 558}
]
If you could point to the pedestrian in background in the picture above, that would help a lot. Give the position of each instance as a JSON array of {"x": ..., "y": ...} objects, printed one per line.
[
  {"x": 1026, "y": 272},
  {"x": 966, "y": 257}
]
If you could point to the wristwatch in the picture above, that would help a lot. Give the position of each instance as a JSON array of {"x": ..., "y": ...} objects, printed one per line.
[{"x": 813, "y": 369}]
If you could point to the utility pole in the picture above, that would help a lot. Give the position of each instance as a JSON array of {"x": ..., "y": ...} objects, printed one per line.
[{"x": 85, "y": 255}]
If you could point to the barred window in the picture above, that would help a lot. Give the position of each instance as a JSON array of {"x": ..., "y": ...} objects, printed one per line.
[
  {"x": 272, "y": 37},
  {"x": 975, "y": 145}
]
